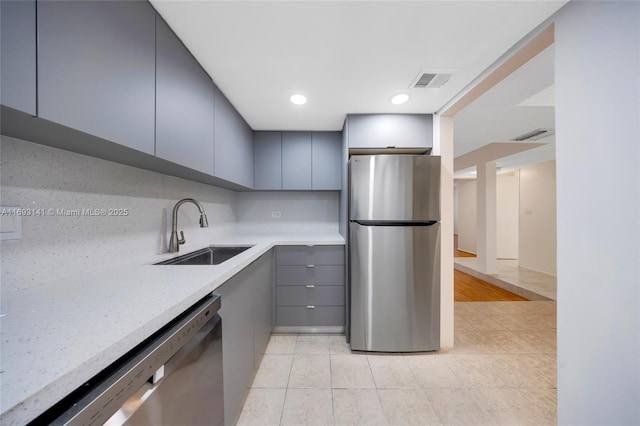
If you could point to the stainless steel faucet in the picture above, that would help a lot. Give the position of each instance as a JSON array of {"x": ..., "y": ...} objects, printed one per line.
[{"x": 174, "y": 243}]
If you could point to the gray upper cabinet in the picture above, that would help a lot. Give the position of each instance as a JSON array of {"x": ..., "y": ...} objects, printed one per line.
[
  {"x": 18, "y": 55},
  {"x": 296, "y": 160},
  {"x": 267, "y": 160},
  {"x": 233, "y": 143},
  {"x": 390, "y": 131},
  {"x": 326, "y": 160},
  {"x": 96, "y": 69},
  {"x": 184, "y": 104}
]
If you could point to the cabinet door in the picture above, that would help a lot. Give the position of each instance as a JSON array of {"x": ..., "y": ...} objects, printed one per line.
[
  {"x": 326, "y": 160},
  {"x": 18, "y": 55},
  {"x": 237, "y": 341},
  {"x": 390, "y": 131},
  {"x": 184, "y": 104},
  {"x": 263, "y": 301},
  {"x": 233, "y": 143},
  {"x": 296, "y": 160},
  {"x": 96, "y": 69},
  {"x": 267, "y": 160}
]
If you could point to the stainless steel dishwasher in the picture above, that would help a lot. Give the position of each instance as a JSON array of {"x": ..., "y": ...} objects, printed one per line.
[{"x": 173, "y": 378}]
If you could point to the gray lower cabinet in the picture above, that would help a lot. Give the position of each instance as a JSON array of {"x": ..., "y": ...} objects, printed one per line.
[
  {"x": 184, "y": 104},
  {"x": 233, "y": 143},
  {"x": 296, "y": 160},
  {"x": 326, "y": 161},
  {"x": 96, "y": 69},
  {"x": 246, "y": 312},
  {"x": 267, "y": 160},
  {"x": 310, "y": 291},
  {"x": 18, "y": 55}
]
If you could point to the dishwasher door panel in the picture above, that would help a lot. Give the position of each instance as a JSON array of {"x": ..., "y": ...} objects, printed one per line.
[{"x": 190, "y": 393}]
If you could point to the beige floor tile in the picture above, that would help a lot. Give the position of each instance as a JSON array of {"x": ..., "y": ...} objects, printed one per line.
[
  {"x": 437, "y": 377},
  {"x": 357, "y": 407},
  {"x": 496, "y": 399},
  {"x": 512, "y": 342},
  {"x": 456, "y": 407},
  {"x": 339, "y": 345},
  {"x": 318, "y": 345},
  {"x": 273, "y": 371},
  {"x": 544, "y": 340},
  {"x": 351, "y": 371},
  {"x": 477, "y": 371},
  {"x": 280, "y": 344},
  {"x": 474, "y": 341},
  {"x": 392, "y": 372},
  {"x": 262, "y": 407},
  {"x": 407, "y": 407},
  {"x": 307, "y": 407},
  {"x": 527, "y": 370},
  {"x": 310, "y": 371}
]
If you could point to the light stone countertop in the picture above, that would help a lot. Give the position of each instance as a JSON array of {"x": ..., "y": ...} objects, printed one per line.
[{"x": 58, "y": 335}]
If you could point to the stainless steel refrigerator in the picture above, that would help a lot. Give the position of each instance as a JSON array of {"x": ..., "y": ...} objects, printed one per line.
[{"x": 394, "y": 252}]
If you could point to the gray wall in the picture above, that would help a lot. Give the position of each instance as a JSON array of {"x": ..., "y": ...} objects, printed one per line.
[{"x": 597, "y": 62}]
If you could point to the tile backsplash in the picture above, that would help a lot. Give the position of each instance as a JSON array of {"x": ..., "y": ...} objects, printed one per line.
[{"x": 58, "y": 242}]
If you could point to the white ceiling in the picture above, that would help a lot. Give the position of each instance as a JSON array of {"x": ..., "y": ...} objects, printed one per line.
[
  {"x": 518, "y": 104},
  {"x": 347, "y": 56}
]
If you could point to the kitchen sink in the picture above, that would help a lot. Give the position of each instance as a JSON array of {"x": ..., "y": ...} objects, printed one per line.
[{"x": 206, "y": 256}]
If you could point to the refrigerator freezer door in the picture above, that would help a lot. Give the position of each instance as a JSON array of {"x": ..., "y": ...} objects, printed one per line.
[
  {"x": 394, "y": 187},
  {"x": 395, "y": 288}
]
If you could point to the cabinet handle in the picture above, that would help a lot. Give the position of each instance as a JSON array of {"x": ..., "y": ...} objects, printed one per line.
[
  {"x": 311, "y": 306},
  {"x": 310, "y": 286},
  {"x": 310, "y": 245},
  {"x": 311, "y": 266}
]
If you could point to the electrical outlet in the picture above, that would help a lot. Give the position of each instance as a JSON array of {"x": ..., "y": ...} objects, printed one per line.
[{"x": 276, "y": 214}]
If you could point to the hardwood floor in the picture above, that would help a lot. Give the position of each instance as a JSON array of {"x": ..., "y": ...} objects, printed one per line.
[
  {"x": 470, "y": 289},
  {"x": 467, "y": 288},
  {"x": 460, "y": 253}
]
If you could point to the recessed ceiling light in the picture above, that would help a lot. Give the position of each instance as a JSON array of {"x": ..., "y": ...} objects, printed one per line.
[
  {"x": 400, "y": 99},
  {"x": 298, "y": 99}
]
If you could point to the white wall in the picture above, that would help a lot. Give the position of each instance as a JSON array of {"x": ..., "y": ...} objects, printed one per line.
[
  {"x": 538, "y": 239},
  {"x": 507, "y": 195},
  {"x": 443, "y": 146},
  {"x": 597, "y": 62},
  {"x": 52, "y": 247},
  {"x": 308, "y": 212},
  {"x": 467, "y": 207},
  {"x": 506, "y": 215}
]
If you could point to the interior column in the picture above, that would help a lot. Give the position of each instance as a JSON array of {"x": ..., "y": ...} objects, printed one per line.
[{"x": 486, "y": 226}]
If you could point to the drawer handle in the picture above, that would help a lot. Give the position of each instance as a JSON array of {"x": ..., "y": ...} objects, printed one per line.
[
  {"x": 310, "y": 286},
  {"x": 310, "y": 245},
  {"x": 311, "y": 306},
  {"x": 311, "y": 266}
]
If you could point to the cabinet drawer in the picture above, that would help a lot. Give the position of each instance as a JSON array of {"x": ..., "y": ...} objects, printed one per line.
[
  {"x": 331, "y": 295},
  {"x": 301, "y": 316},
  {"x": 304, "y": 275},
  {"x": 306, "y": 255}
]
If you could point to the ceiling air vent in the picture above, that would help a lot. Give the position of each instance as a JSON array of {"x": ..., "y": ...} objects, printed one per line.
[
  {"x": 534, "y": 135},
  {"x": 430, "y": 79}
]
